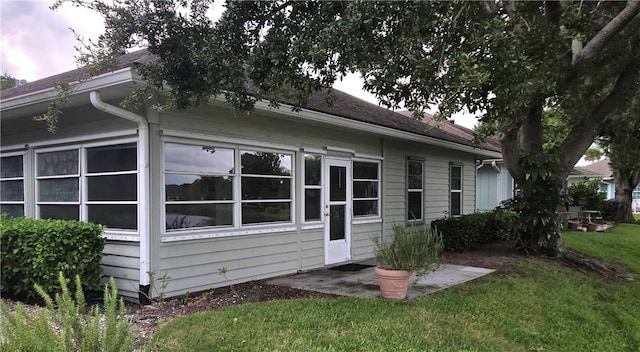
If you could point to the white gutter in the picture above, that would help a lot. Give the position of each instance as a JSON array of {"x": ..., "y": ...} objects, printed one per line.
[
  {"x": 122, "y": 76},
  {"x": 143, "y": 187}
]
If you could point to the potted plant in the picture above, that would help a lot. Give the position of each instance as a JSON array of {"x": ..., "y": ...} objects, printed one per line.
[{"x": 412, "y": 251}]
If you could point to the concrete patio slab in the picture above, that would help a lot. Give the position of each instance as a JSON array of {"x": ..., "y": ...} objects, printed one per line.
[{"x": 364, "y": 283}]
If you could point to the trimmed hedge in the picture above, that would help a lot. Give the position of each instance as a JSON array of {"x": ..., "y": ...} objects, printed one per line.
[
  {"x": 466, "y": 232},
  {"x": 36, "y": 251}
]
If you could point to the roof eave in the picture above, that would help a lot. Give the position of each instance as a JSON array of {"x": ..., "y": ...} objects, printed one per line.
[
  {"x": 334, "y": 120},
  {"x": 109, "y": 79}
]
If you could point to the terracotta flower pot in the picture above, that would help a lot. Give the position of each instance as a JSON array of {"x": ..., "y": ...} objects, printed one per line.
[
  {"x": 394, "y": 284},
  {"x": 573, "y": 225},
  {"x": 592, "y": 227}
]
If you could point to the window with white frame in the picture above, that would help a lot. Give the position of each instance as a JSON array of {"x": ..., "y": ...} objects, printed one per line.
[
  {"x": 415, "y": 190},
  {"x": 111, "y": 182},
  {"x": 12, "y": 185},
  {"x": 95, "y": 184},
  {"x": 204, "y": 188},
  {"x": 455, "y": 188},
  {"x": 198, "y": 186},
  {"x": 266, "y": 186},
  {"x": 58, "y": 184},
  {"x": 366, "y": 188},
  {"x": 312, "y": 187}
]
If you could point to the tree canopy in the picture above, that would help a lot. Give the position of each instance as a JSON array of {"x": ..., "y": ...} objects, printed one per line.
[
  {"x": 7, "y": 81},
  {"x": 504, "y": 60}
]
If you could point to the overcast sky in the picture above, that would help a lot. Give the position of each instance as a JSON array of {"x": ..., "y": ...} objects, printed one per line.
[{"x": 36, "y": 42}]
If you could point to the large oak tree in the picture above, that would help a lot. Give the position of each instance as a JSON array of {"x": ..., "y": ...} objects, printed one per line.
[
  {"x": 505, "y": 60},
  {"x": 621, "y": 142}
]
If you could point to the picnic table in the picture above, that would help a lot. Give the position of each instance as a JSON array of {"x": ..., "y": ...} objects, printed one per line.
[{"x": 588, "y": 216}]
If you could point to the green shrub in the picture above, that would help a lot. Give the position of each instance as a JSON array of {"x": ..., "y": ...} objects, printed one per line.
[
  {"x": 466, "y": 232},
  {"x": 587, "y": 195},
  {"x": 66, "y": 324},
  {"x": 34, "y": 250},
  {"x": 412, "y": 249}
]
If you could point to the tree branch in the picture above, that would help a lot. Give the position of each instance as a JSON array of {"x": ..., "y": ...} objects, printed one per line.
[
  {"x": 490, "y": 6},
  {"x": 615, "y": 26},
  {"x": 585, "y": 132},
  {"x": 599, "y": 41}
]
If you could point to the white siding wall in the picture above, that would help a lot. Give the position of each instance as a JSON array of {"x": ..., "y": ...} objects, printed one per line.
[
  {"x": 79, "y": 125},
  {"x": 194, "y": 264},
  {"x": 436, "y": 173},
  {"x": 122, "y": 262}
]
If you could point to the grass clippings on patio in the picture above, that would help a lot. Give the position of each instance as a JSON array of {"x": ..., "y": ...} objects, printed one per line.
[{"x": 538, "y": 306}]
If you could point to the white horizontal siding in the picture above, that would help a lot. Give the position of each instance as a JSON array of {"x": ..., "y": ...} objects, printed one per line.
[
  {"x": 312, "y": 249},
  {"x": 361, "y": 244},
  {"x": 121, "y": 261},
  {"x": 196, "y": 265}
]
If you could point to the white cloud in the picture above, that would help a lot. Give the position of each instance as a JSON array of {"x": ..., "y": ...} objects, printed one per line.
[{"x": 37, "y": 42}]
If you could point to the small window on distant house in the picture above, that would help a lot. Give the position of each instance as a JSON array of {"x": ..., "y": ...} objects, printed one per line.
[
  {"x": 455, "y": 188},
  {"x": 312, "y": 187},
  {"x": 366, "y": 188},
  {"x": 415, "y": 190},
  {"x": 12, "y": 185}
]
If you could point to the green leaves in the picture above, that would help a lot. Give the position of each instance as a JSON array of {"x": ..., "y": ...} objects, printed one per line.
[{"x": 34, "y": 251}]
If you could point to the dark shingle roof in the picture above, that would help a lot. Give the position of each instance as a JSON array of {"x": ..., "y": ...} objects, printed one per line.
[
  {"x": 126, "y": 60},
  {"x": 599, "y": 168},
  {"x": 457, "y": 130},
  {"x": 344, "y": 105}
]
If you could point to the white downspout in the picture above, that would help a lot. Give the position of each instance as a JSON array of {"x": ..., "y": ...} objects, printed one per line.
[{"x": 143, "y": 187}]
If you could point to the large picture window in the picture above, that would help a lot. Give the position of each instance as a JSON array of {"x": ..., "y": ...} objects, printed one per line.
[
  {"x": 12, "y": 185},
  {"x": 95, "y": 184},
  {"x": 312, "y": 187},
  {"x": 415, "y": 190},
  {"x": 266, "y": 187},
  {"x": 198, "y": 186},
  {"x": 455, "y": 187},
  {"x": 366, "y": 188},
  {"x": 204, "y": 188}
]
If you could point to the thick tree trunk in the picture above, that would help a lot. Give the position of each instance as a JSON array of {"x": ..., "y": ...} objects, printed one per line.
[
  {"x": 539, "y": 221},
  {"x": 539, "y": 179},
  {"x": 624, "y": 192}
]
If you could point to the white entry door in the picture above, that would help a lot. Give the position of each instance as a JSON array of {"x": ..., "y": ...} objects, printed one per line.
[{"x": 337, "y": 211}]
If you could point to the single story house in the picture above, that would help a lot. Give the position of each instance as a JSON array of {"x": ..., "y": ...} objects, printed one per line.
[
  {"x": 192, "y": 193},
  {"x": 602, "y": 170},
  {"x": 599, "y": 169}
]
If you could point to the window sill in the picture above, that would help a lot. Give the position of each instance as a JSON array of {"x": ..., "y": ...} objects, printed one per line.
[
  {"x": 366, "y": 221},
  {"x": 121, "y": 237},
  {"x": 206, "y": 235}
]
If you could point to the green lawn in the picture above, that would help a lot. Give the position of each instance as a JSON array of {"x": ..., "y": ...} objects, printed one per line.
[
  {"x": 537, "y": 307},
  {"x": 637, "y": 216}
]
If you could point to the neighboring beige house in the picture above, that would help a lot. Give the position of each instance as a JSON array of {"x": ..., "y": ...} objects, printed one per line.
[
  {"x": 188, "y": 193},
  {"x": 601, "y": 169}
]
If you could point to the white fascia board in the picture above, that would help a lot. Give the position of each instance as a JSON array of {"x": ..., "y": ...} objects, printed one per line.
[
  {"x": 316, "y": 116},
  {"x": 109, "y": 79}
]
